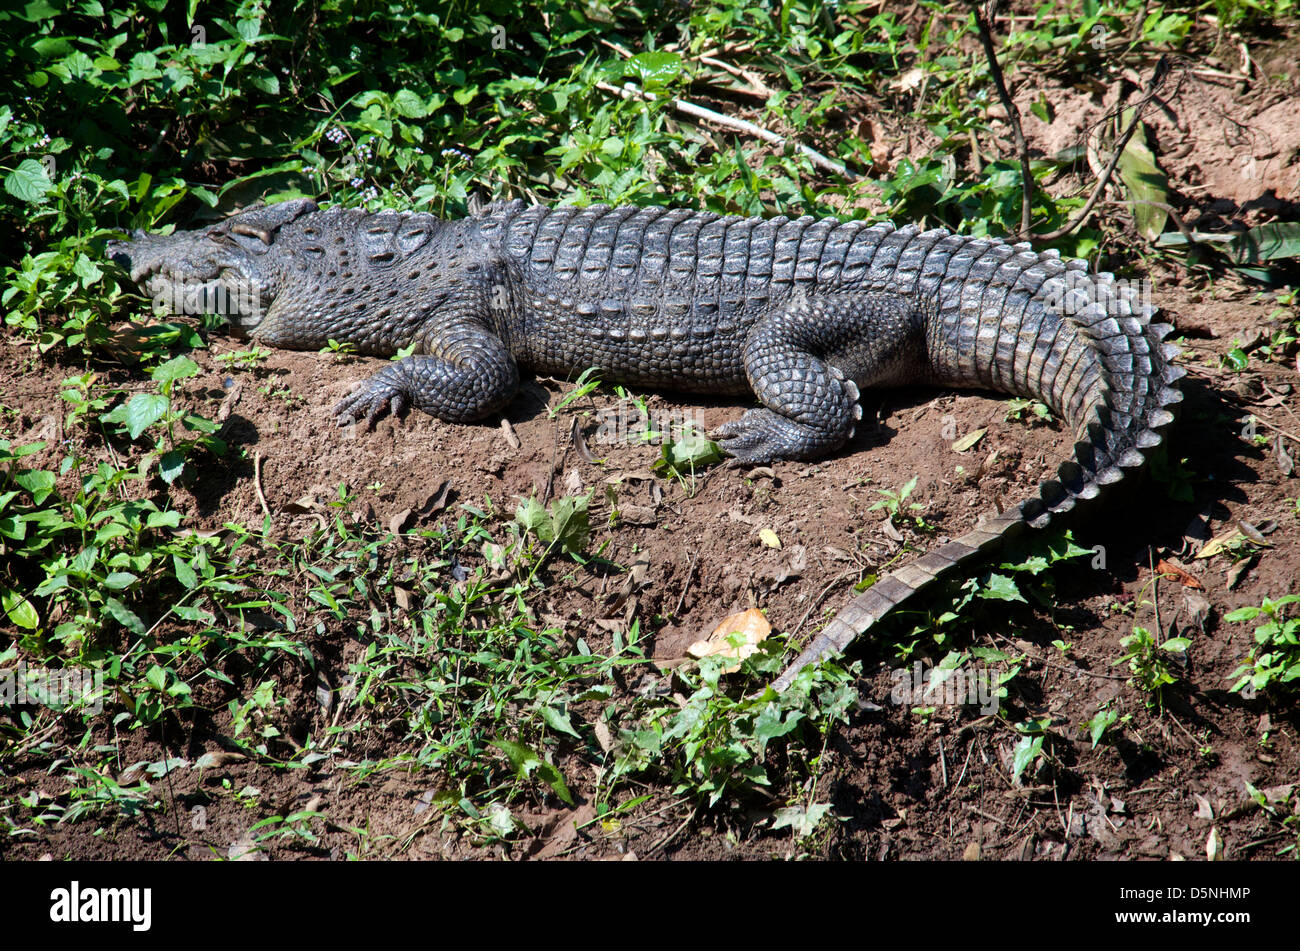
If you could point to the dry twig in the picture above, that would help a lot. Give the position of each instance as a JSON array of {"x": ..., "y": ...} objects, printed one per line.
[{"x": 730, "y": 122}]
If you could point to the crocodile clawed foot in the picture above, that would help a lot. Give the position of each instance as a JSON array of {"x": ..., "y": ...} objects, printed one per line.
[
  {"x": 369, "y": 402},
  {"x": 749, "y": 440},
  {"x": 762, "y": 436}
]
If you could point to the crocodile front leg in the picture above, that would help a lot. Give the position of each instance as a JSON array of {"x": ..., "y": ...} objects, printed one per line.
[
  {"x": 806, "y": 362},
  {"x": 468, "y": 374}
]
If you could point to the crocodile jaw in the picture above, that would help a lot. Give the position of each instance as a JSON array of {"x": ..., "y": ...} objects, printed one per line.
[{"x": 200, "y": 272}]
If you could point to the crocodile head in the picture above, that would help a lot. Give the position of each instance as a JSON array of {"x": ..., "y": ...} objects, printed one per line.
[{"x": 232, "y": 268}]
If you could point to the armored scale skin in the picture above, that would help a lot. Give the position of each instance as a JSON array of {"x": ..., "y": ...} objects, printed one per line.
[{"x": 801, "y": 312}]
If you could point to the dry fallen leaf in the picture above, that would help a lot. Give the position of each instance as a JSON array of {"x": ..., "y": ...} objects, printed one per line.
[
  {"x": 751, "y": 625},
  {"x": 398, "y": 521},
  {"x": 969, "y": 440},
  {"x": 1221, "y": 542},
  {"x": 509, "y": 433},
  {"x": 1203, "y": 807},
  {"x": 887, "y": 526},
  {"x": 1178, "y": 573},
  {"x": 908, "y": 80},
  {"x": 1214, "y": 846}
]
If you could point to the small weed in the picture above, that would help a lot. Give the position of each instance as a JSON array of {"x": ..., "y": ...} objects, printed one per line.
[
  {"x": 723, "y": 739},
  {"x": 250, "y": 359},
  {"x": 341, "y": 352},
  {"x": 682, "y": 458},
  {"x": 564, "y": 525},
  {"x": 1019, "y": 409},
  {"x": 1282, "y": 806},
  {"x": 1100, "y": 723},
  {"x": 1150, "y": 663},
  {"x": 1273, "y": 664},
  {"x": 586, "y": 384},
  {"x": 1034, "y": 747},
  {"x": 896, "y": 504}
]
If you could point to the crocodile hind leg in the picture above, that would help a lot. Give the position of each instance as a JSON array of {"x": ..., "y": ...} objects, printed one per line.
[
  {"x": 806, "y": 361},
  {"x": 469, "y": 374}
]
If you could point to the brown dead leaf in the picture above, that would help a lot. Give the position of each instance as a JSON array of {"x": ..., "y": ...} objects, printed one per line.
[
  {"x": 751, "y": 625},
  {"x": 398, "y": 521},
  {"x": 909, "y": 80},
  {"x": 437, "y": 500},
  {"x": 229, "y": 400},
  {"x": 566, "y": 832},
  {"x": 1233, "y": 576},
  {"x": 573, "y": 482},
  {"x": 1285, "y": 462},
  {"x": 1203, "y": 808},
  {"x": 402, "y": 597},
  {"x": 1171, "y": 569},
  {"x": 580, "y": 443}
]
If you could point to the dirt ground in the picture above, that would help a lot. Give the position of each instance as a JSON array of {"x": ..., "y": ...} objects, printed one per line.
[{"x": 906, "y": 787}]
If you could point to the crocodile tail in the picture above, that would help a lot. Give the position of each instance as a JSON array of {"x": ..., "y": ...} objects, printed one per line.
[{"x": 1007, "y": 318}]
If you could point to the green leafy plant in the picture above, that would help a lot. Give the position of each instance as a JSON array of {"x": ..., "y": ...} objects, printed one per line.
[
  {"x": 1150, "y": 662},
  {"x": 143, "y": 410},
  {"x": 682, "y": 458},
  {"x": 563, "y": 526},
  {"x": 896, "y": 504},
  {"x": 1021, "y": 409},
  {"x": 1273, "y": 664}
]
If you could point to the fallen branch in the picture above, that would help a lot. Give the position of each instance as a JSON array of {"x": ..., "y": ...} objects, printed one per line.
[
  {"x": 1157, "y": 78},
  {"x": 738, "y": 125}
]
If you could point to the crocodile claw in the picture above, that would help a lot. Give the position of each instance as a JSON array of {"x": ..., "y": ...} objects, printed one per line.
[
  {"x": 369, "y": 402},
  {"x": 761, "y": 436}
]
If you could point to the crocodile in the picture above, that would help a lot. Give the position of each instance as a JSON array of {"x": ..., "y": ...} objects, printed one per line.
[{"x": 804, "y": 313}]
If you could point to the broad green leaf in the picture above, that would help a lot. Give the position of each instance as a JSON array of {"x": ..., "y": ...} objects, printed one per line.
[
  {"x": 139, "y": 412},
  {"x": 177, "y": 368},
  {"x": 124, "y": 616},
  {"x": 39, "y": 482},
  {"x": 1001, "y": 588},
  {"x": 1100, "y": 723},
  {"x": 654, "y": 69},
  {"x": 526, "y": 762},
  {"x": 558, "y": 720},
  {"x": 1027, "y": 750},
  {"x": 170, "y": 465},
  {"x": 1280, "y": 239},
  {"x": 28, "y": 182},
  {"x": 1144, "y": 182},
  {"x": 409, "y": 104},
  {"x": 19, "y": 609}
]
